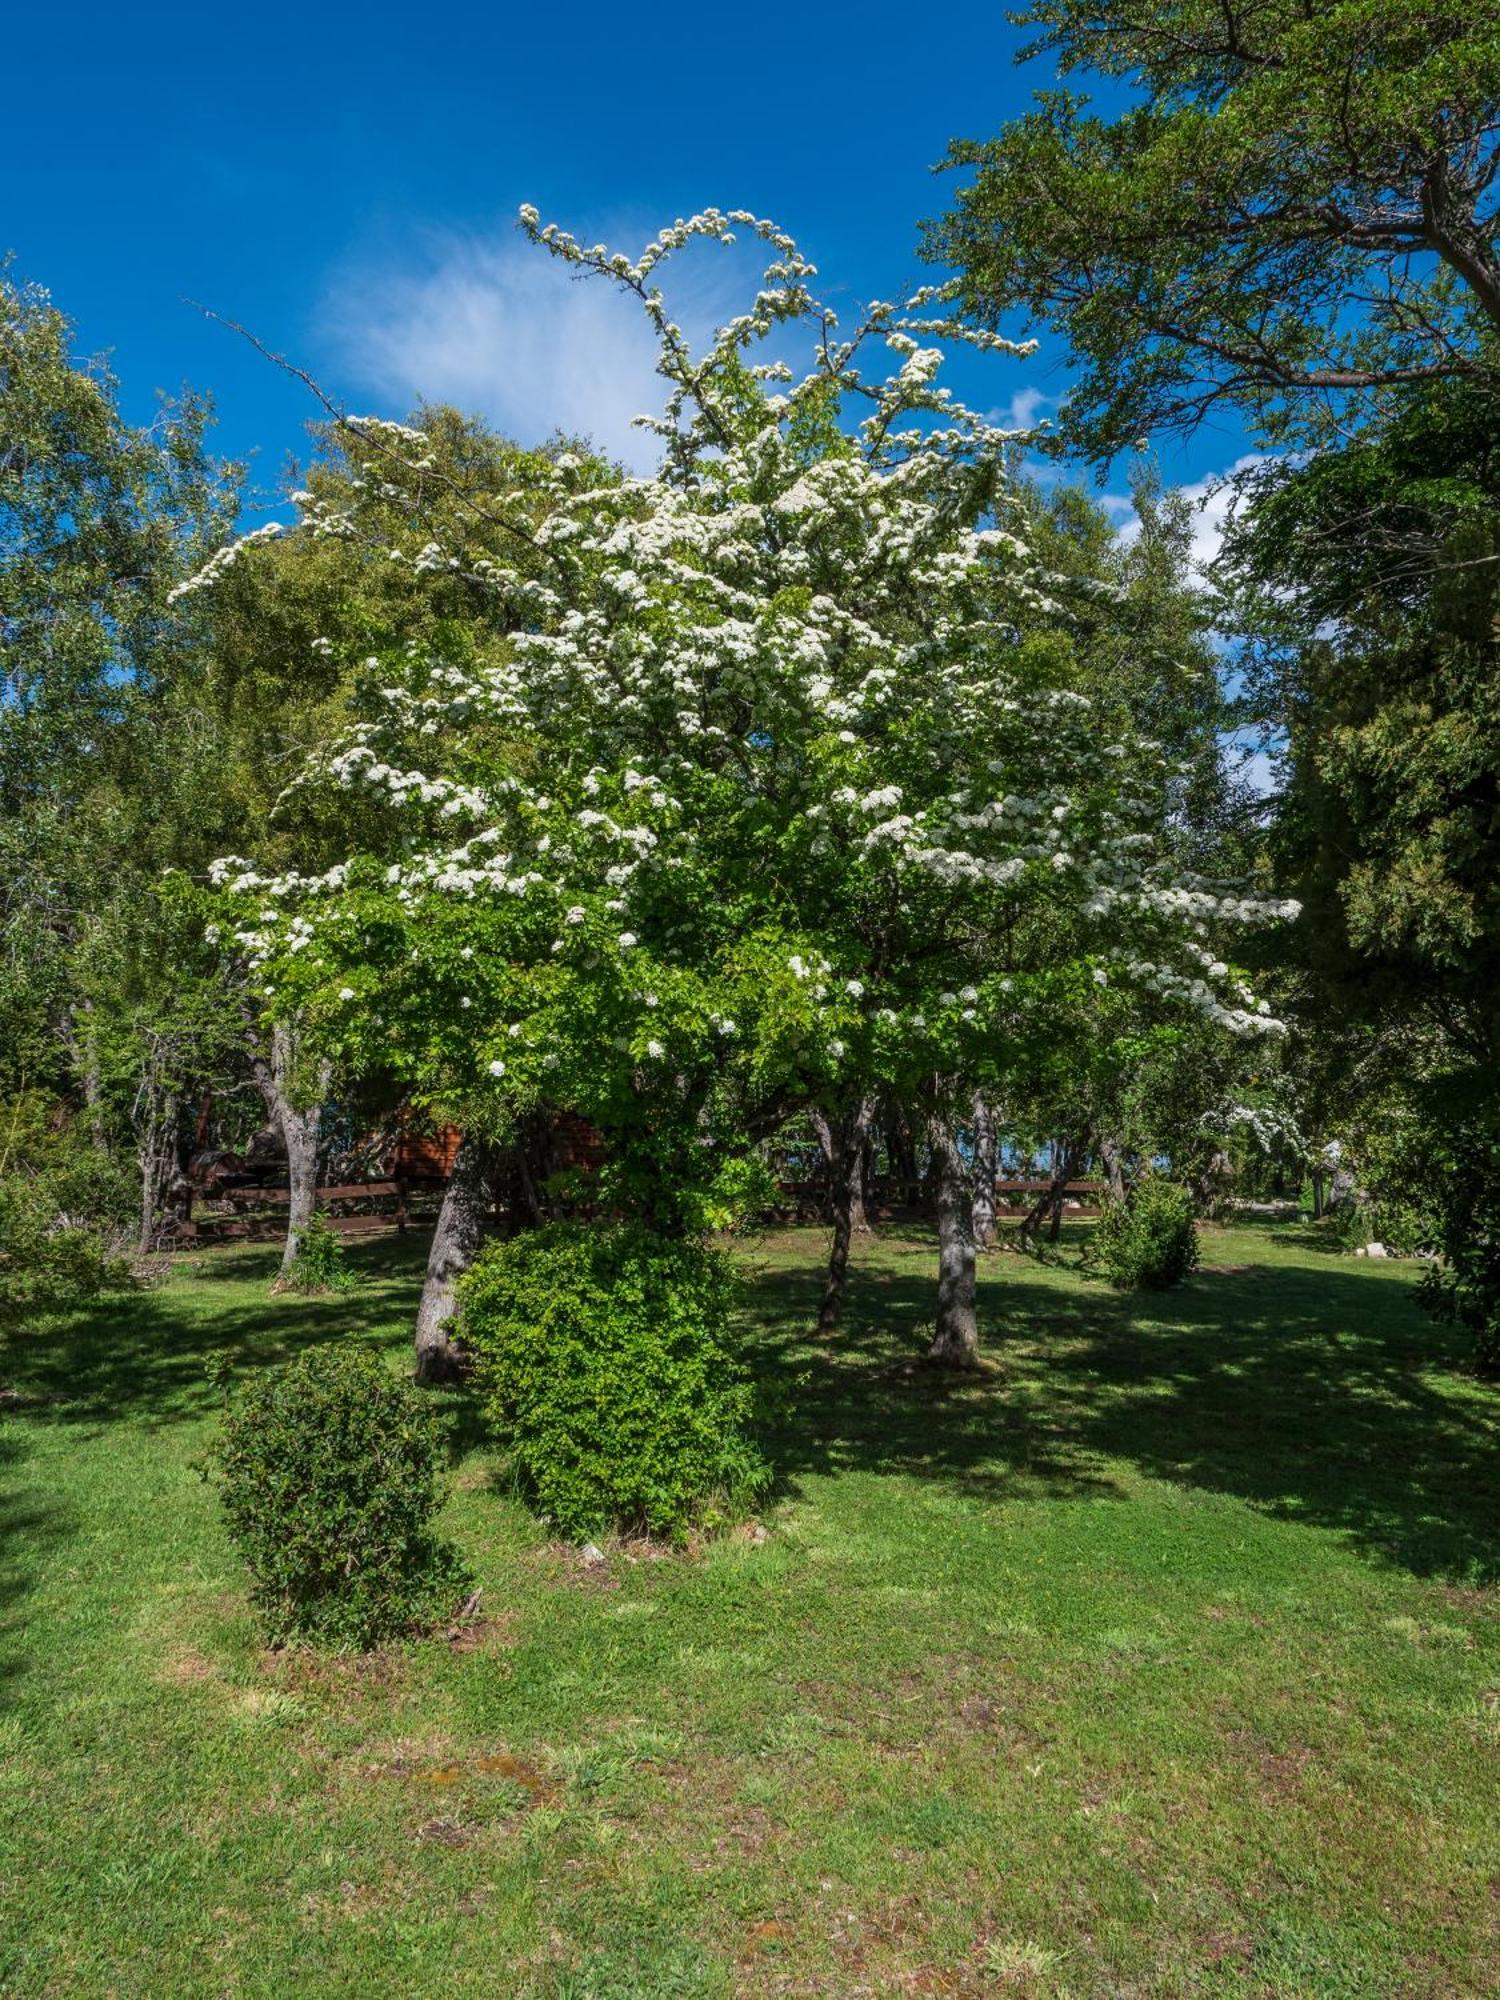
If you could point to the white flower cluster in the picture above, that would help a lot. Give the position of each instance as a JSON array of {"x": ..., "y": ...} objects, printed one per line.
[
  {"x": 222, "y": 560},
  {"x": 791, "y": 678}
]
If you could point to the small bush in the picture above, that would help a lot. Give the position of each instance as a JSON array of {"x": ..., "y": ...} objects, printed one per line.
[
  {"x": 66, "y": 1207},
  {"x": 1148, "y": 1242},
  {"x": 319, "y": 1265},
  {"x": 603, "y": 1358},
  {"x": 330, "y": 1472},
  {"x": 1362, "y": 1220}
]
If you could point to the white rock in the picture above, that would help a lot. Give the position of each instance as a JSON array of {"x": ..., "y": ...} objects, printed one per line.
[
  {"x": 1376, "y": 1250},
  {"x": 592, "y": 1554}
]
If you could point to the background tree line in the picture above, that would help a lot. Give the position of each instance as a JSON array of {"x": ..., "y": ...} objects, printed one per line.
[{"x": 1293, "y": 215}]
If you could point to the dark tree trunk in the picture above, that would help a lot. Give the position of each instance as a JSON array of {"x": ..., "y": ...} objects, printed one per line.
[
  {"x": 1065, "y": 1157},
  {"x": 986, "y": 1150},
  {"x": 955, "y": 1339},
  {"x": 846, "y": 1147},
  {"x": 902, "y": 1155},
  {"x": 455, "y": 1245},
  {"x": 1113, "y": 1157}
]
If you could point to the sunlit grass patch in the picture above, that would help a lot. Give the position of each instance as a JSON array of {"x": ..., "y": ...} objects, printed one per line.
[{"x": 1165, "y": 1659}]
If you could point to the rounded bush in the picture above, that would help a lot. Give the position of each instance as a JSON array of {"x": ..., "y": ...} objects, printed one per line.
[
  {"x": 604, "y": 1360},
  {"x": 331, "y": 1473},
  {"x": 1149, "y": 1241},
  {"x": 320, "y": 1264}
]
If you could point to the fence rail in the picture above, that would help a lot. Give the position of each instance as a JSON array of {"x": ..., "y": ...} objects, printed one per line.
[{"x": 355, "y": 1208}]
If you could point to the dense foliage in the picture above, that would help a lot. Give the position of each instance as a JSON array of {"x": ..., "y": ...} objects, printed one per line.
[
  {"x": 607, "y": 1364},
  {"x": 1286, "y": 204},
  {"x": 837, "y": 769},
  {"x": 319, "y": 1264},
  {"x": 790, "y": 770},
  {"x": 65, "y": 1213},
  {"x": 330, "y": 1471},
  {"x": 1290, "y": 210}
]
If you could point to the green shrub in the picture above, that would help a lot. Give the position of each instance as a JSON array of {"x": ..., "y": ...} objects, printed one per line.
[
  {"x": 604, "y": 1360},
  {"x": 66, "y": 1209},
  {"x": 1361, "y": 1220},
  {"x": 1148, "y": 1242},
  {"x": 320, "y": 1264},
  {"x": 330, "y": 1472}
]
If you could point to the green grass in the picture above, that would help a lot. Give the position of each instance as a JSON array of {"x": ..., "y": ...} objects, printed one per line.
[{"x": 1162, "y": 1658}]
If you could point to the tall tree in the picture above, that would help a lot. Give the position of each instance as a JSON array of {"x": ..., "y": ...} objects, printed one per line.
[
  {"x": 1294, "y": 204},
  {"x": 762, "y": 785},
  {"x": 1371, "y": 579},
  {"x": 98, "y": 521}
]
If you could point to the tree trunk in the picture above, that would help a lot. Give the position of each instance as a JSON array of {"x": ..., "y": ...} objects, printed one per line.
[
  {"x": 846, "y": 1151},
  {"x": 156, "y": 1156},
  {"x": 955, "y": 1339},
  {"x": 298, "y": 1129},
  {"x": 1065, "y": 1157},
  {"x": 455, "y": 1245},
  {"x": 1113, "y": 1157},
  {"x": 986, "y": 1149}
]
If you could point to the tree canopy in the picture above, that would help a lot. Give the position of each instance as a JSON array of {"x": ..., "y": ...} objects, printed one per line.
[{"x": 1275, "y": 203}]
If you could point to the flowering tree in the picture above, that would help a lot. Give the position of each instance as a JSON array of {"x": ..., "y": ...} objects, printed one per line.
[{"x": 759, "y": 790}]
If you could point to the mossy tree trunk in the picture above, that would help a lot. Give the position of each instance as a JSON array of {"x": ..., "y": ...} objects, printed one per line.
[{"x": 456, "y": 1242}]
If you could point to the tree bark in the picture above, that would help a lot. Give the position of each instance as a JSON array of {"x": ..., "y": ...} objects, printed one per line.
[
  {"x": 846, "y": 1151},
  {"x": 955, "y": 1339},
  {"x": 298, "y": 1129},
  {"x": 156, "y": 1155},
  {"x": 1111, "y": 1153},
  {"x": 455, "y": 1245},
  {"x": 1065, "y": 1157},
  {"x": 986, "y": 1151}
]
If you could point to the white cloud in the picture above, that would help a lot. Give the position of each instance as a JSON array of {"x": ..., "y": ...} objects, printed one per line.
[
  {"x": 1212, "y": 501},
  {"x": 1023, "y": 412},
  {"x": 499, "y": 328}
]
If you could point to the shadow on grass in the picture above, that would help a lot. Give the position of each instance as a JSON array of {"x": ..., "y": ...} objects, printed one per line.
[
  {"x": 146, "y": 1353},
  {"x": 1315, "y": 1392},
  {"x": 31, "y": 1524},
  {"x": 1320, "y": 1395}
]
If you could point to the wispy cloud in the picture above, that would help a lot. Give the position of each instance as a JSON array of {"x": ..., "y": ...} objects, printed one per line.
[
  {"x": 1023, "y": 412},
  {"x": 498, "y": 328}
]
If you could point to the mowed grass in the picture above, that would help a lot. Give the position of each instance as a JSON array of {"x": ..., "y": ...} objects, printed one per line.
[{"x": 1161, "y": 1658}]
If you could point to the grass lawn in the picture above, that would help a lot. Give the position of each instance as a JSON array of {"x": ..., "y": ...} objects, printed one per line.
[{"x": 1162, "y": 1658}]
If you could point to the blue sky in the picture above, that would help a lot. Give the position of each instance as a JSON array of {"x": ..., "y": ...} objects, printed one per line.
[{"x": 344, "y": 181}]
